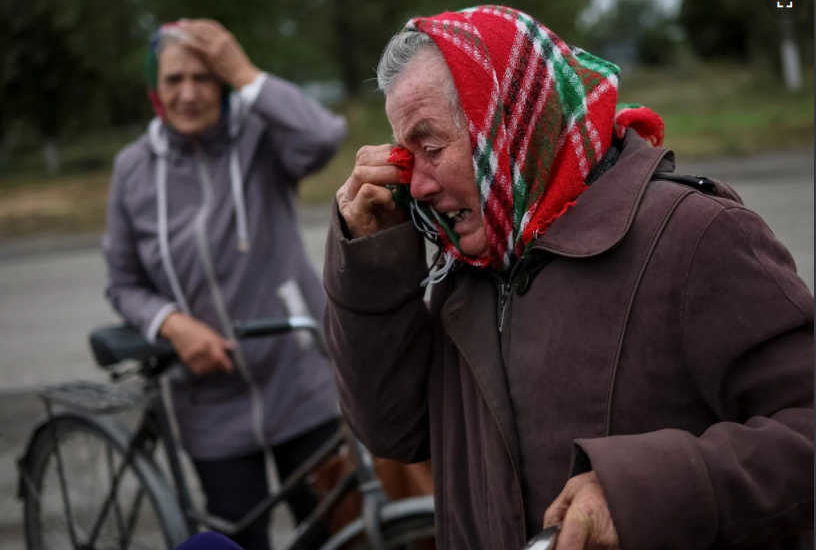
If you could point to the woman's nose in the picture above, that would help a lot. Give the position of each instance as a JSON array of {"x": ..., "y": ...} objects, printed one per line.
[
  {"x": 187, "y": 90},
  {"x": 423, "y": 184}
]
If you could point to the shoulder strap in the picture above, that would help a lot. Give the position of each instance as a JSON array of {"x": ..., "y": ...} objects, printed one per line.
[{"x": 701, "y": 183}]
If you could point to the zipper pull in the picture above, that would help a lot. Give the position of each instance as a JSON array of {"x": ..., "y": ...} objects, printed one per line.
[{"x": 504, "y": 299}]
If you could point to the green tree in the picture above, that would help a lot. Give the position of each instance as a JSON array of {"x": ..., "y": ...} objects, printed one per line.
[
  {"x": 69, "y": 66},
  {"x": 743, "y": 31},
  {"x": 362, "y": 28},
  {"x": 634, "y": 31},
  {"x": 44, "y": 80}
]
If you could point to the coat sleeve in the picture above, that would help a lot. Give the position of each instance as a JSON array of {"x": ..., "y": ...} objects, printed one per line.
[
  {"x": 300, "y": 132},
  {"x": 379, "y": 336},
  {"x": 129, "y": 289},
  {"x": 748, "y": 340}
]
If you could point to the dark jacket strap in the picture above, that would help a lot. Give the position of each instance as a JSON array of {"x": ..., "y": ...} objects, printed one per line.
[{"x": 700, "y": 183}]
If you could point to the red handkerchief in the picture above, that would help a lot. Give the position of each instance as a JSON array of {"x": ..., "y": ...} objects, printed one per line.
[{"x": 404, "y": 160}]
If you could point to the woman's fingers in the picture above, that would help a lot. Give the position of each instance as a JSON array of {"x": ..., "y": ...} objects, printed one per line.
[
  {"x": 221, "y": 51},
  {"x": 375, "y": 197},
  {"x": 373, "y": 154},
  {"x": 370, "y": 166},
  {"x": 220, "y": 358},
  {"x": 583, "y": 512},
  {"x": 210, "y": 357},
  {"x": 372, "y": 175},
  {"x": 367, "y": 206},
  {"x": 201, "y": 348}
]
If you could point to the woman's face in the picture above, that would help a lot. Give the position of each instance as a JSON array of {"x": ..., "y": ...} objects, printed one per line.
[
  {"x": 424, "y": 121},
  {"x": 188, "y": 91}
]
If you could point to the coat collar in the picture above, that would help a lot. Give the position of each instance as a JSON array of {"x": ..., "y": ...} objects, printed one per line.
[{"x": 604, "y": 212}]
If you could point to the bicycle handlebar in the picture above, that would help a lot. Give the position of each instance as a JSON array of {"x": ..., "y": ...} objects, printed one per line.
[
  {"x": 270, "y": 326},
  {"x": 114, "y": 344}
]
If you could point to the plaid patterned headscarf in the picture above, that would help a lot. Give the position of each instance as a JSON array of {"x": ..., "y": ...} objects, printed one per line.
[{"x": 540, "y": 115}]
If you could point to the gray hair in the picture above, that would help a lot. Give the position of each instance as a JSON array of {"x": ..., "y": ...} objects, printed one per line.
[
  {"x": 400, "y": 51},
  {"x": 167, "y": 36}
]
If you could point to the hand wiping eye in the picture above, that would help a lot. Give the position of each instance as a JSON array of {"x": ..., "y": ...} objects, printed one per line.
[{"x": 403, "y": 159}]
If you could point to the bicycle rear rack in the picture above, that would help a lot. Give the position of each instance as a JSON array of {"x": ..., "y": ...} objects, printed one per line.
[{"x": 93, "y": 397}]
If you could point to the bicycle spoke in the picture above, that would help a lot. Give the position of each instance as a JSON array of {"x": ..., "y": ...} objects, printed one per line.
[
  {"x": 100, "y": 485},
  {"x": 116, "y": 475},
  {"x": 66, "y": 499},
  {"x": 133, "y": 518},
  {"x": 117, "y": 510}
]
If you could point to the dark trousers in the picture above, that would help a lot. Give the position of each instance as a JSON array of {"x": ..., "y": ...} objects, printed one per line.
[{"x": 234, "y": 485}]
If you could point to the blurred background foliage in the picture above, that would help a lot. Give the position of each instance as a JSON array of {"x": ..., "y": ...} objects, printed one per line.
[{"x": 72, "y": 86}]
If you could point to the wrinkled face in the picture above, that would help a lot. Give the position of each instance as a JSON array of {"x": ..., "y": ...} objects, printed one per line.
[
  {"x": 188, "y": 91},
  {"x": 424, "y": 121}
]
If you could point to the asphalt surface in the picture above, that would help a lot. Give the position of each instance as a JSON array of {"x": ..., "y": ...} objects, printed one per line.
[{"x": 51, "y": 296}]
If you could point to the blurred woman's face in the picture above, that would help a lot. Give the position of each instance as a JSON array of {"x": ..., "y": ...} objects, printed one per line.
[{"x": 188, "y": 91}]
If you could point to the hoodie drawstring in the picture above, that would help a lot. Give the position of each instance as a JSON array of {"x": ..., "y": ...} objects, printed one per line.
[
  {"x": 159, "y": 143},
  {"x": 238, "y": 200}
]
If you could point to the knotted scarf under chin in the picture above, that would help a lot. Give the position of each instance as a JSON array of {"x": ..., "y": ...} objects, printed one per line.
[{"x": 540, "y": 115}]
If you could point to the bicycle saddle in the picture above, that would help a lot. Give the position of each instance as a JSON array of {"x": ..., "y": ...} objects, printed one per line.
[{"x": 116, "y": 343}]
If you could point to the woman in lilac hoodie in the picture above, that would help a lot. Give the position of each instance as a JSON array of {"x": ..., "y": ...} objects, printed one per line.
[{"x": 202, "y": 231}]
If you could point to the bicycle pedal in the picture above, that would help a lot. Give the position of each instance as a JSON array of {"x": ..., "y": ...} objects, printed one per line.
[{"x": 94, "y": 397}]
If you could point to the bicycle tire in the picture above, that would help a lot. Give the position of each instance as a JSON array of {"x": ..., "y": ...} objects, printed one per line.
[
  {"x": 142, "y": 515},
  {"x": 414, "y": 531}
]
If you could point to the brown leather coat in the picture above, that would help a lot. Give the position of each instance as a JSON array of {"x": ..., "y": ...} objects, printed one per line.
[{"x": 656, "y": 334}]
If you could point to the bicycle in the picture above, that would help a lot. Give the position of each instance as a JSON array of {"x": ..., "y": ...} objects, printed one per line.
[{"x": 133, "y": 499}]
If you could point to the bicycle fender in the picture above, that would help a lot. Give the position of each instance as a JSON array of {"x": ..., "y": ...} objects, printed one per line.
[{"x": 390, "y": 511}]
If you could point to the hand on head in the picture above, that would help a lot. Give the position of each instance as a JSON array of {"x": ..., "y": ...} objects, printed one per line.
[
  {"x": 367, "y": 206},
  {"x": 198, "y": 346},
  {"x": 220, "y": 50}
]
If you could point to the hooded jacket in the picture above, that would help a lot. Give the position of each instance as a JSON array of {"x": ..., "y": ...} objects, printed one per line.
[
  {"x": 208, "y": 227},
  {"x": 654, "y": 333}
]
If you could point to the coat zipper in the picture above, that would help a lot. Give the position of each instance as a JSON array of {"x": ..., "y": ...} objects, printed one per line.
[
  {"x": 504, "y": 299},
  {"x": 505, "y": 291}
]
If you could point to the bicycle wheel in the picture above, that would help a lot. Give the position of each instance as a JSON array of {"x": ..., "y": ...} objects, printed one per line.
[
  {"x": 409, "y": 532},
  {"x": 81, "y": 493}
]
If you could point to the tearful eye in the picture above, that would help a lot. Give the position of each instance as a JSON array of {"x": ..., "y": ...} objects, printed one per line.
[{"x": 431, "y": 152}]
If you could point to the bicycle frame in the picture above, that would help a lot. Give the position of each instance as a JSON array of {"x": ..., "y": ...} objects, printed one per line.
[{"x": 154, "y": 429}]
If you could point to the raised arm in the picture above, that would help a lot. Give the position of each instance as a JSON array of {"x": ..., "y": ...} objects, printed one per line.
[
  {"x": 378, "y": 327},
  {"x": 300, "y": 132}
]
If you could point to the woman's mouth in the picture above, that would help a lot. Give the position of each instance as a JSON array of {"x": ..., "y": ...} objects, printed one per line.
[{"x": 455, "y": 216}]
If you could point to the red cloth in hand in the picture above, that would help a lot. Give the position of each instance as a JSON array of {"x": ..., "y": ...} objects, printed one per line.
[{"x": 404, "y": 160}]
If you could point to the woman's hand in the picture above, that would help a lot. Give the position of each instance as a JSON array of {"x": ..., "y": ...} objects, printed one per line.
[
  {"x": 583, "y": 513},
  {"x": 365, "y": 204},
  {"x": 198, "y": 346},
  {"x": 222, "y": 53}
]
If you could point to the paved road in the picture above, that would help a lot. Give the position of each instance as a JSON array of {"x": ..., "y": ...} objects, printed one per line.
[{"x": 50, "y": 296}]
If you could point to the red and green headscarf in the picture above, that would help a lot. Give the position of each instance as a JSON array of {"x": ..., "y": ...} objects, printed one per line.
[{"x": 540, "y": 115}]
